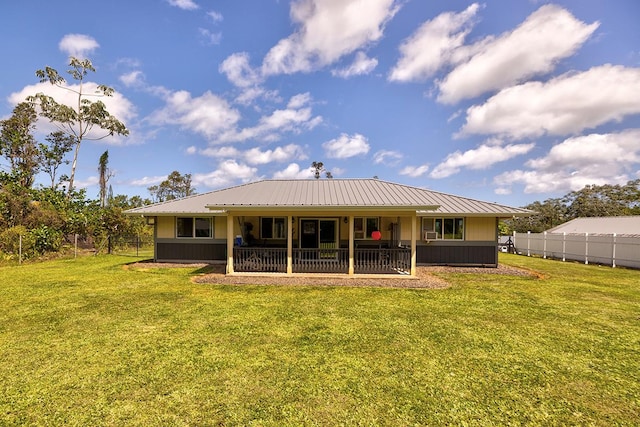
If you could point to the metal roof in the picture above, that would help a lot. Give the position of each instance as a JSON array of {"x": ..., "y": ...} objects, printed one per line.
[
  {"x": 620, "y": 225},
  {"x": 329, "y": 194}
]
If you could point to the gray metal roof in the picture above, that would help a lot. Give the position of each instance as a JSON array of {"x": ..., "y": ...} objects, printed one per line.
[
  {"x": 620, "y": 225},
  {"x": 332, "y": 194}
]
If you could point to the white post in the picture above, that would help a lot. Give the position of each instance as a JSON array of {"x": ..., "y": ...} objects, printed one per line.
[
  {"x": 289, "y": 244},
  {"x": 528, "y": 243},
  {"x": 564, "y": 246},
  {"x": 613, "y": 254},
  {"x": 351, "y": 245},
  {"x": 414, "y": 231},
  {"x": 20, "y": 249},
  {"x": 544, "y": 245},
  {"x": 586, "y": 248},
  {"x": 230, "y": 239}
]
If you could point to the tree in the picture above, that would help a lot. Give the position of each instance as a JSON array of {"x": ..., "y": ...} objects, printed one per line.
[
  {"x": 105, "y": 174},
  {"x": 77, "y": 122},
  {"x": 18, "y": 145},
  {"x": 318, "y": 168},
  {"x": 53, "y": 154},
  {"x": 593, "y": 200},
  {"x": 174, "y": 187},
  {"x": 550, "y": 213}
]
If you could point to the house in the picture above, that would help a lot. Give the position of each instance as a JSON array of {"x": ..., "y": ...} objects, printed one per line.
[
  {"x": 348, "y": 226},
  {"x": 619, "y": 225}
]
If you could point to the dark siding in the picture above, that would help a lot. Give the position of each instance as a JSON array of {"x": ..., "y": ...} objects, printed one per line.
[
  {"x": 191, "y": 251},
  {"x": 462, "y": 253}
]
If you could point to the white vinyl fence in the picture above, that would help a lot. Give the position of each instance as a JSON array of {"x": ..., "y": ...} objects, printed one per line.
[{"x": 608, "y": 249}]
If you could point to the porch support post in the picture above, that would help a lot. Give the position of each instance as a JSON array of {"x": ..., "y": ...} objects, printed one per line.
[
  {"x": 413, "y": 244},
  {"x": 289, "y": 244},
  {"x": 230, "y": 240},
  {"x": 351, "y": 246}
]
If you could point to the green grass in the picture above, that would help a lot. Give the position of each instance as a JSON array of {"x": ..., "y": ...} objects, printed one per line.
[{"x": 88, "y": 342}]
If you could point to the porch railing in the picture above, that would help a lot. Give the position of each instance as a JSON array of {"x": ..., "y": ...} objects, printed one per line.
[
  {"x": 271, "y": 260},
  {"x": 382, "y": 260},
  {"x": 329, "y": 260},
  {"x": 334, "y": 260}
]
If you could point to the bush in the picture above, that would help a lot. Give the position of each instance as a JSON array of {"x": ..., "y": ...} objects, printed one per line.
[
  {"x": 10, "y": 241},
  {"x": 46, "y": 239}
]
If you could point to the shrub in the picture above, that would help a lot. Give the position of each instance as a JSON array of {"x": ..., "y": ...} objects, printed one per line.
[
  {"x": 46, "y": 239},
  {"x": 10, "y": 241}
]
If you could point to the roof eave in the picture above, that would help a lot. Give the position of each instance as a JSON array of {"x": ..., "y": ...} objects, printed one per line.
[{"x": 322, "y": 208}]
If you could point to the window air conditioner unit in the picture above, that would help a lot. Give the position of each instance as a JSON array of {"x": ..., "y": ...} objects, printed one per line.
[{"x": 430, "y": 235}]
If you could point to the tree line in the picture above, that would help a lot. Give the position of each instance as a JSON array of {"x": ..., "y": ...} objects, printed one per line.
[{"x": 590, "y": 201}]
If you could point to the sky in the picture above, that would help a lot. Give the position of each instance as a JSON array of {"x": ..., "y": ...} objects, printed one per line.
[{"x": 509, "y": 101}]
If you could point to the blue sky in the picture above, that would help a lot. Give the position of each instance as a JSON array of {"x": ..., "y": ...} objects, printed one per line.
[{"x": 505, "y": 101}]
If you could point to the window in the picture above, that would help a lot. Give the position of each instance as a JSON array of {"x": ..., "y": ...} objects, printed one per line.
[
  {"x": 363, "y": 227},
  {"x": 193, "y": 227},
  {"x": 273, "y": 228},
  {"x": 443, "y": 228}
]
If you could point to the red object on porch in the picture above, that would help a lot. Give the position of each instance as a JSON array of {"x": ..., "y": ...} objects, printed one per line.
[{"x": 376, "y": 235}]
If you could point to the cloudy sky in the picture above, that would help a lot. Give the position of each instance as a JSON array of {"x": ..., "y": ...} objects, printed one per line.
[{"x": 509, "y": 101}]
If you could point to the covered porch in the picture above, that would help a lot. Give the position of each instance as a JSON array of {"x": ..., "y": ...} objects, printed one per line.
[{"x": 321, "y": 242}]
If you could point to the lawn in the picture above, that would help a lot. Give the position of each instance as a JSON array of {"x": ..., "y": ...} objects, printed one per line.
[{"x": 89, "y": 342}]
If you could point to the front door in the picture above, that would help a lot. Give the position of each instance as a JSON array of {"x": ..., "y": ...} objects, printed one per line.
[
  {"x": 309, "y": 233},
  {"x": 319, "y": 234}
]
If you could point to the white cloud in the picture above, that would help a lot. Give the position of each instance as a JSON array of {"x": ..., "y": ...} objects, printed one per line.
[
  {"x": 148, "y": 181},
  {"x": 533, "y": 48},
  {"x": 578, "y": 161},
  {"x": 78, "y": 45},
  {"x": 565, "y": 105},
  {"x": 215, "y": 16},
  {"x": 295, "y": 118},
  {"x": 346, "y": 146},
  {"x": 256, "y": 156},
  {"x": 432, "y": 45},
  {"x": 293, "y": 171},
  {"x": 184, "y": 4},
  {"x": 209, "y": 37},
  {"x": 414, "y": 171},
  {"x": 238, "y": 71},
  {"x": 482, "y": 157},
  {"x": 133, "y": 78},
  {"x": 208, "y": 114},
  {"x": 387, "y": 157},
  {"x": 227, "y": 173},
  {"x": 224, "y": 152},
  {"x": 299, "y": 100},
  {"x": 85, "y": 183},
  {"x": 361, "y": 64},
  {"x": 191, "y": 150},
  {"x": 328, "y": 30}
]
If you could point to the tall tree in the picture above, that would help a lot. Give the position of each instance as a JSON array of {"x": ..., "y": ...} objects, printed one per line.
[
  {"x": 54, "y": 153},
  {"x": 174, "y": 187},
  {"x": 80, "y": 120},
  {"x": 18, "y": 145},
  {"x": 104, "y": 175},
  {"x": 318, "y": 168}
]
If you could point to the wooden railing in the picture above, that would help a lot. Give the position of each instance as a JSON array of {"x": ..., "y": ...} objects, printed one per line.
[
  {"x": 330, "y": 260},
  {"x": 271, "y": 260},
  {"x": 382, "y": 260}
]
